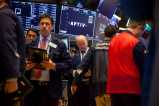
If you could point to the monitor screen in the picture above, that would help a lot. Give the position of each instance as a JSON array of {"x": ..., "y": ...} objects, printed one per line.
[
  {"x": 42, "y": 1},
  {"x": 29, "y": 12},
  {"x": 75, "y": 21},
  {"x": 100, "y": 24},
  {"x": 107, "y": 7}
]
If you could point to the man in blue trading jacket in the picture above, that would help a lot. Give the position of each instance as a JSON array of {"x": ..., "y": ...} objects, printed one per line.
[
  {"x": 48, "y": 91},
  {"x": 11, "y": 54}
]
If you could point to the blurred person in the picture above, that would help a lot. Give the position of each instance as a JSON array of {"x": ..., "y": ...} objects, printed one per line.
[
  {"x": 31, "y": 35},
  {"x": 150, "y": 90},
  {"x": 110, "y": 31},
  {"x": 11, "y": 53},
  {"x": 48, "y": 91},
  {"x": 102, "y": 99},
  {"x": 126, "y": 59}
]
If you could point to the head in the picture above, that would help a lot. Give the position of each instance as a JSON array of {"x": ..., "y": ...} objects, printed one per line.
[
  {"x": 2, "y": 2},
  {"x": 136, "y": 27},
  {"x": 110, "y": 30},
  {"x": 81, "y": 42},
  {"x": 5, "y": 1},
  {"x": 46, "y": 24},
  {"x": 31, "y": 35}
]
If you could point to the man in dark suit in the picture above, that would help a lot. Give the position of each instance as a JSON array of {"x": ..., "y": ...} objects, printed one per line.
[
  {"x": 11, "y": 54},
  {"x": 95, "y": 62},
  {"x": 82, "y": 44},
  {"x": 80, "y": 90},
  {"x": 48, "y": 91}
]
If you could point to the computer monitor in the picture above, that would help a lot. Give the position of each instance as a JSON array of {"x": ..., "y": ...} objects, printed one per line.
[
  {"x": 107, "y": 7},
  {"x": 100, "y": 24},
  {"x": 39, "y": 1},
  {"x": 75, "y": 21},
  {"x": 29, "y": 12}
]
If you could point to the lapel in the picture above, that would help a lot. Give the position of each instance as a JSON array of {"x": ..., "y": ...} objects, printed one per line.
[
  {"x": 54, "y": 46},
  {"x": 37, "y": 42},
  {"x": 79, "y": 57}
]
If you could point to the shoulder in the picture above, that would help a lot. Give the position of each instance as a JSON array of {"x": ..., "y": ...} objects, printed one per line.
[
  {"x": 140, "y": 47},
  {"x": 7, "y": 12},
  {"x": 91, "y": 49},
  {"x": 35, "y": 42},
  {"x": 55, "y": 39},
  {"x": 127, "y": 37}
]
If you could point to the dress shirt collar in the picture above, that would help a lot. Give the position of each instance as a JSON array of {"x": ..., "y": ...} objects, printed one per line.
[{"x": 47, "y": 38}]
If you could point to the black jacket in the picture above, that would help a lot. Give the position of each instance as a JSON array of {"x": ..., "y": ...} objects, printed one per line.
[{"x": 11, "y": 44}]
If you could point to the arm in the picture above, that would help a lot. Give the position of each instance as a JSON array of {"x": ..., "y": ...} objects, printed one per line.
[
  {"x": 21, "y": 44},
  {"x": 8, "y": 45},
  {"x": 65, "y": 59},
  {"x": 9, "y": 51},
  {"x": 139, "y": 54}
]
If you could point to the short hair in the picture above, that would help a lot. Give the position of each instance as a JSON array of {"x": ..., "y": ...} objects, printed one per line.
[
  {"x": 110, "y": 30},
  {"x": 134, "y": 23},
  {"x": 46, "y": 16},
  {"x": 34, "y": 30}
]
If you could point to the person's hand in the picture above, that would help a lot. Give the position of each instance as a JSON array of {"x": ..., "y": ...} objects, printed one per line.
[
  {"x": 88, "y": 73},
  {"x": 10, "y": 85},
  {"x": 76, "y": 72},
  {"x": 29, "y": 65},
  {"x": 49, "y": 65}
]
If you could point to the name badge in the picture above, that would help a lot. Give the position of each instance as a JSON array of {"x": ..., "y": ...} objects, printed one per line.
[{"x": 52, "y": 45}]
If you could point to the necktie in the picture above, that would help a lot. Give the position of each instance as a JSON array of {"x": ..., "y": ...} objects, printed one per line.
[
  {"x": 37, "y": 72},
  {"x": 43, "y": 43}
]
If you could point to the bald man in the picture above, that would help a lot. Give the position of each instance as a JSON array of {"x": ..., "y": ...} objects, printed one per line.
[
  {"x": 80, "y": 89},
  {"x": 82, "y": 44}
]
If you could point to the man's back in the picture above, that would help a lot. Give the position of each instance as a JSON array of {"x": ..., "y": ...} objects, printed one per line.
[
  {"x": 11, "y": 42},
  {"x": 123, "y": 72}
]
